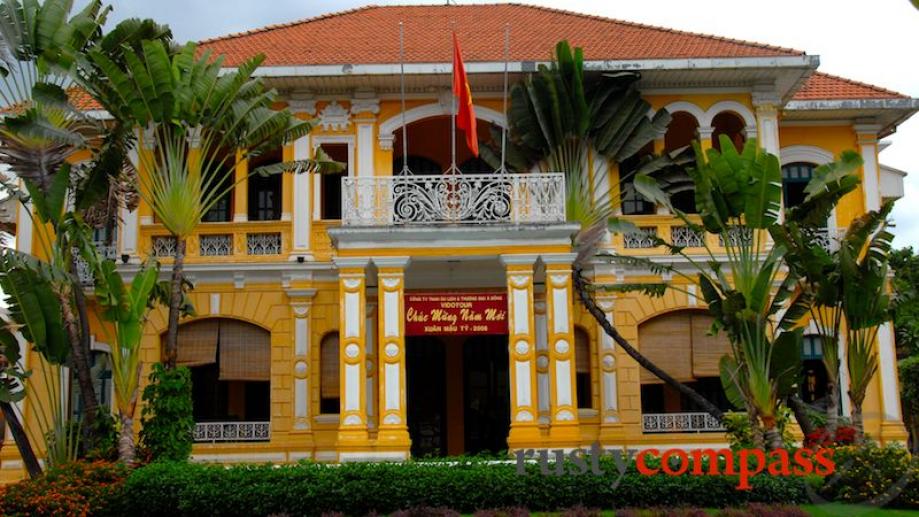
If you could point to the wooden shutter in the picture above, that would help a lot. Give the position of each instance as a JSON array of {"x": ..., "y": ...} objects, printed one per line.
[
  {"x": 581, "y": 351},
  {"x": 707, "y": 350},
  {"x": 328, "y": 364},
  {"x": 245, "y": 352},
  {"x": 197, "y": 343},
  {"x": 666, "y": 342}
]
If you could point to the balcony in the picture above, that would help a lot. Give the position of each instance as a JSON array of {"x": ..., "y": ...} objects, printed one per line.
[
  {"x": 454, "y": 199},
  {"x": 254, "y": 241},
  {"x": 209, "y": 432},
  {"x": 680, "y": 423},
  {"x": 84, "y": 273}
]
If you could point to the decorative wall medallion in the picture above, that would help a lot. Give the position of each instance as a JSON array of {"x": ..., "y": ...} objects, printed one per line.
[
  {"x": 334, "y": 117},
  {"x": 365, "y": 105},
  {"x": 609, "y": 361},
  {"x": 300, "y": 310},
  {"x": 352, "y": 350},
  {"x": 542, "y": 362},
  {"x": 522, "y": 347},
  {"x": 392, "y": 350},
  {"x": 300, "y": 368},
  {"x": 561, "y": 346}
]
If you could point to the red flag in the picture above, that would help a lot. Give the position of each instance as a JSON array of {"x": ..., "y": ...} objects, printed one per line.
[{"x": 465, "y": 117}]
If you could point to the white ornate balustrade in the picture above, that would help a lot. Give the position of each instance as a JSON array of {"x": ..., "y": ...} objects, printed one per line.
[
  {"x": 232, "y": 431},
  {"x": 680, "y": 423},
  {"x": 829, "y": 238},
  {"x": 454, "y": 199}
]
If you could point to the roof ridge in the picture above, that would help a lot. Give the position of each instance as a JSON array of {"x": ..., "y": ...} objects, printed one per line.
[
  {"x": 652, "y": 27},
  {"x": 268, "y": 28},
  {"x": 294, "y": 23},
  {"x": 855, "y": 82}
]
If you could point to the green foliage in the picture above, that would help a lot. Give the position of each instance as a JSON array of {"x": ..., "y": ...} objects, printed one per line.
[
  {"x": 881, "y": 476},
  {"x": 740, "y": 432},
  {"x": 461, "y": 484},
  {"x": 909, "y": 394},
  {"x": 72, "y": 489},
  {"x": 905, "y": 283},
  {"x": 167, "y": 421}
]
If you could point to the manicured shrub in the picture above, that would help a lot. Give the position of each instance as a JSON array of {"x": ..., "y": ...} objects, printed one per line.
[
  {"x": 882, "y": 476},
  {"x": 464, "y": 486},
  {"x": 76, "y": 488},
  {"x": 167, "y": 420}
]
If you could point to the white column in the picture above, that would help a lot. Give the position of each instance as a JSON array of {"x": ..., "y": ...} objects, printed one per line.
[
  {"x": 129, "y": 227},
  {"x": 868, "y": 146},
  {"x": 563, "y": 405},
  {"x": 887, "y": 357},
  {"x": 302, "y": 203},
  {"x": 301, "y": 301},
  {"x": 609, "y": 397},
  {"x": 24, "y": 228}
]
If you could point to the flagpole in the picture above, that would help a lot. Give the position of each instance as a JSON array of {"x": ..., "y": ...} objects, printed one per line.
[
  {"x": 507, "y": 44},
  {"x": 405, "y": 169},
  {"x": 453, "y": 104}
]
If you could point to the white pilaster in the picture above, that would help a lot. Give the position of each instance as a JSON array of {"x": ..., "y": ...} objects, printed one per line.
[
  {"x": 887, "y": 357},
  {"x": 302, "y": 203},
  {"x": 868, "y": 146}
]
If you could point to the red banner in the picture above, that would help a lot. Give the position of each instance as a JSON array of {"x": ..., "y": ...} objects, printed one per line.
[{"x": 455, "y": 313}]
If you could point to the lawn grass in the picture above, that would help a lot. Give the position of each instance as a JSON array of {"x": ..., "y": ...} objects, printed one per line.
[{"x": 849, "y": 510}]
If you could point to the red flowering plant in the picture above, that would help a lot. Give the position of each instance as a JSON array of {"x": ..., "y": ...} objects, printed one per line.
[
  {"x": 78, "y": 488},
  {"x": 845, "y": 435}
]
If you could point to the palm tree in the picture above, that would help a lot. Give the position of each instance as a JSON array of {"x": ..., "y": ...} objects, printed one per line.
[
  {"x": 863, "y": 260},
  {"x": 817, "y": 268},
  {"x": 560, "y": 121},
  {"x": 198, "y": 118}
]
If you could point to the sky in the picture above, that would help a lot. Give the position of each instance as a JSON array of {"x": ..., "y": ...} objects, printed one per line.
[{"x": 875, "y": 41}]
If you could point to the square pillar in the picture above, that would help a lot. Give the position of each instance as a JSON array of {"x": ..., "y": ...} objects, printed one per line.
[
  {"x": 302, "y": 202},
  {"x": 892, "y": 428},
  {"x": 352, "y": 284},
  {"x": 393, "y": 415},
  {"x": 563, "y": 405},
  {"x": 301, "y": 300},
  {"x": 524, "y": 430},
  {"x": 868, "y": 146},
  {"x": 241, "y": 188}
]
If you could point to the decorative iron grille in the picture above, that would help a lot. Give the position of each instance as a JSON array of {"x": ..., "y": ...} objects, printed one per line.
[
  {"x": 232, "y": 431},
  {"x": 685, "y": 237},
  {"x": 164, "y": 246},
  {"x": 644, "y": 237},
  {"x": 263, "y": 244},
  {"x": 216, "y": 245},
  {"x": 453, "y": 199},
  {"x": 737, "y": 236},
  {"x": 680, "y": 423},
  {"x": 84, "y": 273}
]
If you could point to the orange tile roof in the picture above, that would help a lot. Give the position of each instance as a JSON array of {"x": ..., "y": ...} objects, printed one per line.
[
  {"x": 370, "y": 35},
  {"x": 820, "y": 86},
  {"x": 81, "y": 100}
]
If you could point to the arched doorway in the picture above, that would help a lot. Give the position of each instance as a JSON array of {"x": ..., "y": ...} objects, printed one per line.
[
  {"x": 429, "y": 147},
  {"x": 230, "y": 363}
]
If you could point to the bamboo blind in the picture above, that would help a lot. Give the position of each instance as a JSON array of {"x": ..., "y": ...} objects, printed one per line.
[
  {"x": 679, "y": 344},
  {"x": 197, "y": 343},
  {"x": 707, "y": 350},
  {"x": 328, "y": 366},
  {"x": 245, "y": 352}
]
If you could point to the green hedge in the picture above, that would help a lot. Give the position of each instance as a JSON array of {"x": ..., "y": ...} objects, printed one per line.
[
  {"x": 358, "y": 489},
  {"x": 881, "y": 476}
]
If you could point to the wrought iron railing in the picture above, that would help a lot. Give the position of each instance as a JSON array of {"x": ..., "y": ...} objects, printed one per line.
[
  {"x": 829, "y": 238},
  {"x": 453, "y": 199},
  {"x": 232, "y": 431},
  {"x": 680, "y": 423},
  {"x": 84, "y": 273}
]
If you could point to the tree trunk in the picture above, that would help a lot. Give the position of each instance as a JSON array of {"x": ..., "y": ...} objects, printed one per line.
[
  {"x": 800, "y": 410},
  {"x": 21, "y": 439},
  {"x": 756, "y": 430},
  {"x": 78, "y": 357},
  {"x": 643, "y": 361},
  {"x": 773, "y": 438},
  {"x": 175, "y": 302},
  {"x": 126, "y": 439},
  {"x": 88, "y": 429},
  {"x": 832, "y": 408},
  {"x": 857, "y": 422}
]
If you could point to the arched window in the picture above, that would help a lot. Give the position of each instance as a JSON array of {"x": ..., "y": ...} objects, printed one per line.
[
  {"x": 631, "y": 201},
  {"x": 795, "y": 177},
  {"x": 230, "y": 364},
  {"x": 476, "y": 165},
  {"x": 681, "y": 131},
  {"x": 329, "y": 401},
  {"x": 330, "y": 202},
  {"x": 223, "y": 175},
  {"x": 730, "y": 124},
  {"x": 814, "y": 375},
  {"x": 582, "y": 368},
  {"x": 420, "y": 165}
]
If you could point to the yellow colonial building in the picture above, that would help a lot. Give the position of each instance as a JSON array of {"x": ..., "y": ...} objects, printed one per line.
[{"x": 373, "y": 315}]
